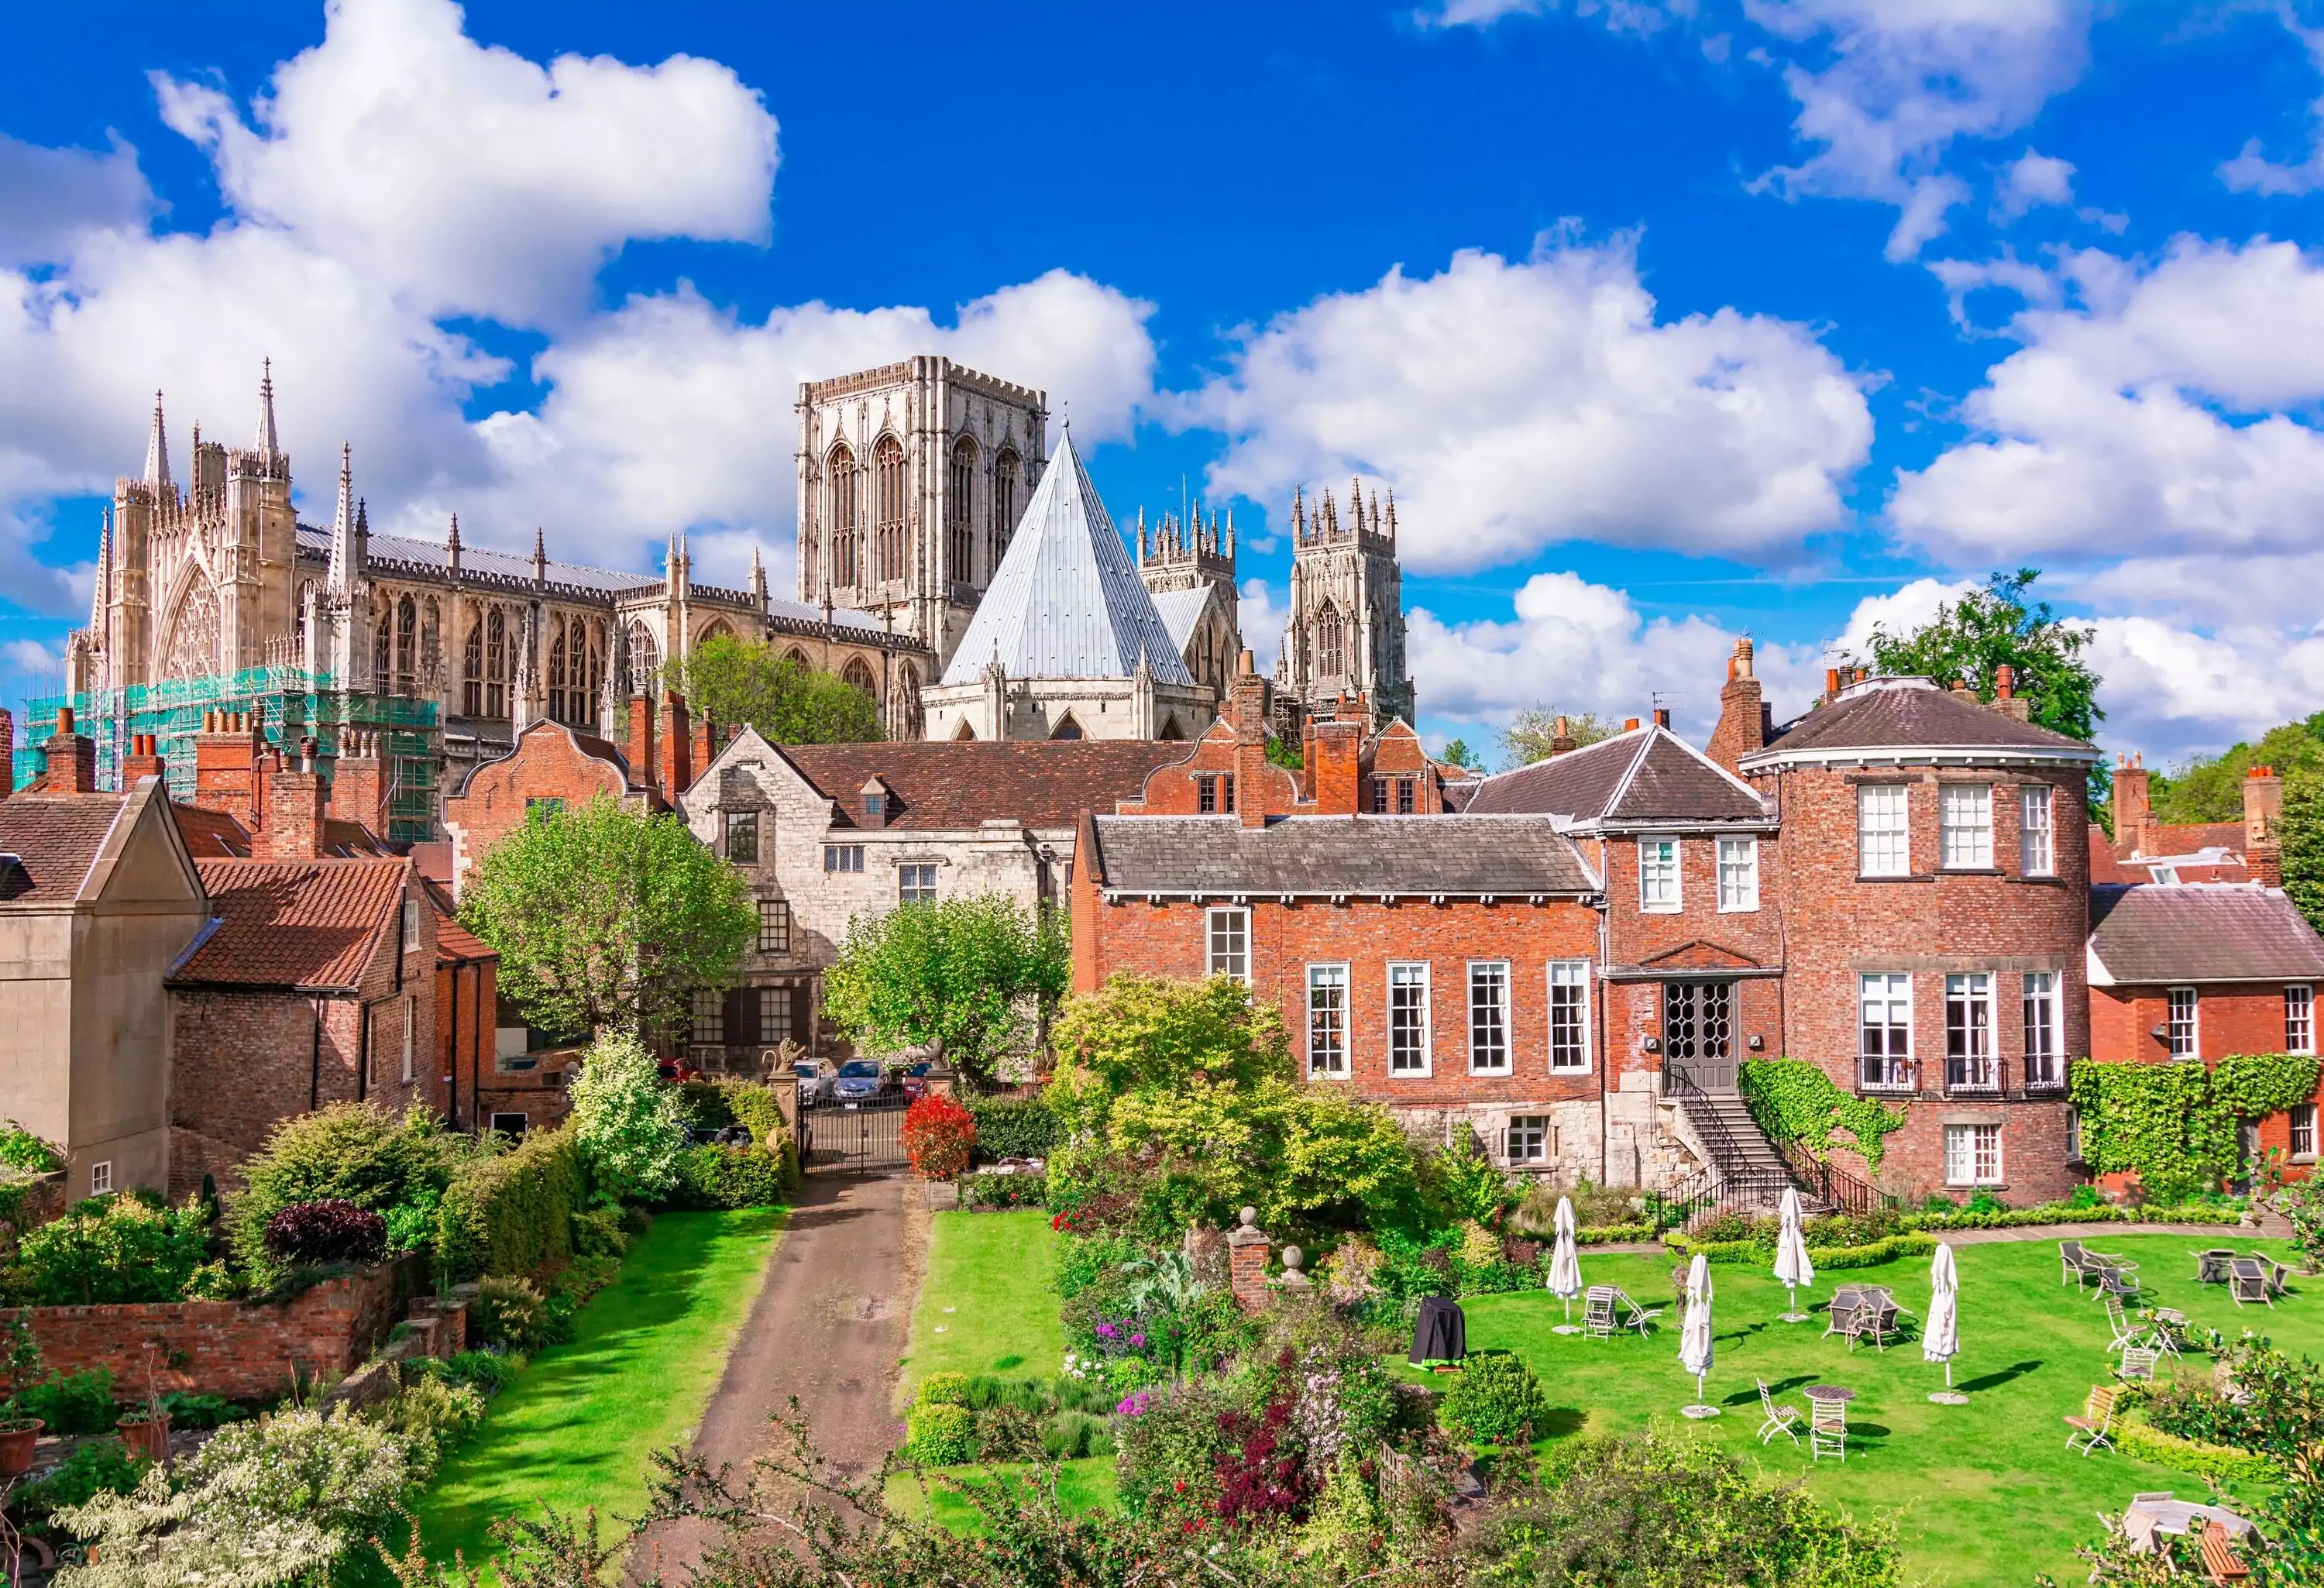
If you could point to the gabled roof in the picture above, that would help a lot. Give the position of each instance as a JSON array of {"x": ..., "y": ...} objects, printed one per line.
[
  {"x": 1910, "y": 713},
  {"x": 1040, "y": 783},
  {"x": 56, "y": 839},
  {"x": 1641, "y": 778},
  {"x": 312, "y": 925},
  {"x": 1067, "y": 602},
  {"x": 1467, "y": 856},
  {"x": 2151, "y": 934},
  {"x": 1181, "y": 610}
]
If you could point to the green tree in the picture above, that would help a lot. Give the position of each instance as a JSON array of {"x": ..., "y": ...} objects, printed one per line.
[
  {"x": 2301, "y": 832},
  {"x": 1533, "y": 732},
  {"x": 2000, "y": 625},
  {"x": 627, "y": 1124},
  {"x": 975, "y": 977},
  {"x": 607, "y": 918},
  {"x": 737, "y": 681},
  {"x": 1458, "y": 753},
  {"x": 2210, "y": 788}
]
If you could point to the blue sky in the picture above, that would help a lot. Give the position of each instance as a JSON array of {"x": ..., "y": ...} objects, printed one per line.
[{"x": 1666, "y": 320}]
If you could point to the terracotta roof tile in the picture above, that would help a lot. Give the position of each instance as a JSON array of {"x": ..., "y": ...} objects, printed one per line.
[
  {"x": 210, "y": 834},
  {"x": 56, "y": 839},
  {"x": 1043, "y": 783},
  {"x": 2221, "y": 932},
  {"x": 309, "y": 924}
]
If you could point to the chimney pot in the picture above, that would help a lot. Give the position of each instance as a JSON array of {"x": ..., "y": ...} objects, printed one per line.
[
  {"x": 1662, "y": 717},
  {"x": 64, "y": 719},
  {"x": 1629, "y": 724},
  {"x": 1832, "y": 680},
  {"x": 2005, "y": 680}
]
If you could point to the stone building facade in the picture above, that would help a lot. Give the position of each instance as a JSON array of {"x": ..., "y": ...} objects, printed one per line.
[{"x": 1345, "y": 636}]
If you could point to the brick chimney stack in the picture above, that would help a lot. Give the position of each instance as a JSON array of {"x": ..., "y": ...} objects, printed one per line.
[
  {"x": 293, "y": 825},
  {"x": 143, "y": 761},
  {"x": 71, "y": 759},
  {"x": 705, "y": 744},
  {"x": 1334, "y": 747},
  {"x": 641, "y": 739},
  {"x": 359, "y": 783},
  {"x": 227, "y": 771},
  {"x": 2134, "y": 817},
  {"x": 8, "y": 753},
  {"x": 2007, "y": 700},
  {"x": 1247, "y": 710},
  {"x": 677, "y": 768},
  {"x": 2262, "y": 810},
  {"x": 1561, "y": 741},
  {"x": 1742, "y": 711}
]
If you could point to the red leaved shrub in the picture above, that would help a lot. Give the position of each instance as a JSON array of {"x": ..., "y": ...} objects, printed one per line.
[
  {"x": 938, "y": 1136},
  {"x": 332, "y": 1230}
]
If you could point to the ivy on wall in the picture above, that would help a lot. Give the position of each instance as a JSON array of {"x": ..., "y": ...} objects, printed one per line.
[
  {"x": 1794, "y": 1101},
  {"x": 2173, "y": 1125}
]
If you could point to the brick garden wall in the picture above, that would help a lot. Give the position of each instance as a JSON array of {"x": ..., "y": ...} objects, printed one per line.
[{"x": 244, "y": 1351}]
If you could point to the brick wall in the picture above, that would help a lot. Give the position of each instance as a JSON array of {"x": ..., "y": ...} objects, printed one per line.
[
  {"x": 548, "y": 764},
  {"x": 244, "y": 1351},
  {"x": 2238, "y": 1017}
]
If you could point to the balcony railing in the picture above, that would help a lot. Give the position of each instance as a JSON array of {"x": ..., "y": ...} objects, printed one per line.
[
  {"x": 1888, "y": 1076},
  {"x": 2045, "y": 1077},
  {"x": 1977, "y": 1077}
]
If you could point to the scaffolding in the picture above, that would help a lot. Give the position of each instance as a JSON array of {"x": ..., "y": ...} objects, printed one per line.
[{"x": 287, "y": 702}]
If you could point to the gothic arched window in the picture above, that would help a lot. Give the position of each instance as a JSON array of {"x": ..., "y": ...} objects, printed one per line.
[
  {"x": 472, "y": 671},
  {"x": 1330, "y": 642},
  {"x": 407, "y": 647},
  {"x": 797, "y": 658},
  {"x": 382, "y": 653},
  {"x": 1067, "y": 728},
  {"x": 839, "y": 470},
  {"x": 496, "y": 664},
  {"x": 717, "y": 630},
  {"x": 558, "y": 705},
  {"x": 1005, "y": 471},
  {"x": 961, "y": 494},
  {"x": 859, "y": 677},
  {"x": 887, "y": 484},
  {"x": 645, "y": 658},
  {"x": 589, "y": 681}
]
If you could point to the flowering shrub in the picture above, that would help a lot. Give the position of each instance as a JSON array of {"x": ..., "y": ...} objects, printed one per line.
[
  {"x": 333, "y": 1230},
  {"x": 1135, "y": 1406},
  {"x": 941, "y": 1435},
  {"x": 1260, "y": 1475},
  {"x": 627, "y": 1124},
  {"x": 939, "y": 1135},
  {"x": 1168, "y": 1453}
]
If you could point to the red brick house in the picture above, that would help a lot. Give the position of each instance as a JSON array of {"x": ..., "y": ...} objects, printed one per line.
[
  {"x": 1935, "y": 900},
  {"x": 2197, "y": 971},
  {"x": 2148, "y": 849}
]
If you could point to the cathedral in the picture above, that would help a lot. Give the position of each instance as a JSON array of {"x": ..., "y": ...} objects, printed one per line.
[{"x": 969, "y": 583}]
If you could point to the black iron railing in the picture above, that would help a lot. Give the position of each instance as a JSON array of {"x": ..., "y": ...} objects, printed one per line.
[{"x": 1836, "y": 1187}]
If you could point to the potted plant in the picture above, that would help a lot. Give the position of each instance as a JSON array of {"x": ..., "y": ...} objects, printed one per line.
[
  {"x": 17, "y": 1438},
  {"x": 146, "y": 1431}
]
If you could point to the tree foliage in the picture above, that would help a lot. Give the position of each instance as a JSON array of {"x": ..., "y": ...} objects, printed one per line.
[
  {"x": 1532, "y": 733},
  {"x": 629, "y": 1125},
  {"x": 2001, "y": 624},
  {"x": 737, "y": 681},
  {"x": 2300, "y": 834},
  {"x": 608, "y": 918},
  {"x": 2210, "y": 788},
  {"x": 974, "y": 977}
]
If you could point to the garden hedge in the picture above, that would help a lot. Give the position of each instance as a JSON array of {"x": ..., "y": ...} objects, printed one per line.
[
  {"x": 1013, "y": 1127},
  {"x": 2173, "y": 1125},
  {"x": 713, "y": 1177},
  {"x": 1870, "y": 1255},
  {"x": 2215, "y": 1463},
  {"x": 512, "y": 1214}
]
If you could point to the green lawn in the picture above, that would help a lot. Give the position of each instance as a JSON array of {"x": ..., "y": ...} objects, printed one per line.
[
  {"x": 1083, "y": 1485},
  {"x": 989, "y": 1305},
  {"x": 576, "y": 1427},
  {"x": 1984, "y": 1493}
]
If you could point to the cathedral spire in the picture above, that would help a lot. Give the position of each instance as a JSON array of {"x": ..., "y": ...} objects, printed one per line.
[
  {"x": 539, "y": 556},
  {"x": 102, "y": 597},
  {"x": 1141, "y": 532},
  {"x": 452, "y": 546},
  {"x": 269, "y": 447},
  {"x": 157, "y": 450},
  {"x": 347, "y": 565},
  {"x": 758, "y": 579}
]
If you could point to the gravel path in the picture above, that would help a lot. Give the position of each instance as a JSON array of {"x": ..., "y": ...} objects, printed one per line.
[{"x": 829, "y": 1327}]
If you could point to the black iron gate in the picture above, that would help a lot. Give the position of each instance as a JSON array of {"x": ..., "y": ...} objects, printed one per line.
[{"x": 852, "y": 1139}]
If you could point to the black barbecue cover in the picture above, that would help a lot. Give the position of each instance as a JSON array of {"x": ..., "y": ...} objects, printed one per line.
[{"x": 1442, "y": 1334}]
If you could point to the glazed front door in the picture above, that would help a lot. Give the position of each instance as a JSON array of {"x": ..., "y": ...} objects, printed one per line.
[{"x": 1698, "y": 1036}]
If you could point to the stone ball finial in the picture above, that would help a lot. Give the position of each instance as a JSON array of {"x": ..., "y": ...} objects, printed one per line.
[
  {"x": 1248, "y": 1217},
  {"x": 1292, "y": 1258}
]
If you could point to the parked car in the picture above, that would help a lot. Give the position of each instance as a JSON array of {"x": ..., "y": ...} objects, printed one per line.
[
  {"x": 815, "y": 1078},
  {"x": 915, "y": 1080},
  {"x": 862, "y": 1080}
]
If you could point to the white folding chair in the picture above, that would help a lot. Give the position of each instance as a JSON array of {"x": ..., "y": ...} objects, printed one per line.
[
  {"x": 1779, "y": 1419},
  {"x": 1598, "y": 1312},
  {"x": 1828, "y": 1429},
  {"x": 2127, "y": 1329},
  {"x": 2138, "y": 1361}
]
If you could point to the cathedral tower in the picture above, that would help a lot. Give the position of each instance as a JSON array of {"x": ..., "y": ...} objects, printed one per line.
[
  {"x": 1345, "y": 636},
  {"x": 912, "y": 477}
]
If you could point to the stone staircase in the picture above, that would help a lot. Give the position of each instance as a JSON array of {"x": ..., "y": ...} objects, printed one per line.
[{"x": 1747, "y": 1174}]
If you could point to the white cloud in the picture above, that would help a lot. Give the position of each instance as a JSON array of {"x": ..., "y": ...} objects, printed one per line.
[
  {"x": 473, "y": 181},
  {"x": 2252, "y": 171},
  {"x": 1627, "y": 16},
  {"x": 49, "y": 195},
  {"x": 2170, "y": 691},
  {"x": 1262, "y": 618},
  {"x": 2150, "y": 418},
  {"x": 2032, "y": 181},
  {"x": 1514, "y": 405}
]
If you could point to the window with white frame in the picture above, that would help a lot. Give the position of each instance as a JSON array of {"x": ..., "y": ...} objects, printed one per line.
[
  {"x": 842, "y": 857},
  {"x": 1658, "y": 875},
  {"x": 916, "y": 883},
  {"x": 2037, "y": 838},
  {"x": 1973, "y": 1155},
  {"x": 411, "y": 925},
  {"x": 2045, "y": 1063},
  {"x": 1488, "y": 1016},
  {"x": 2303, "y": 1132},
  {"x": 2299, "y": 1019},
  {"x": 1527, "y": 1141},
  {"x": 1229, "y": 933},
  {"x": 1327, "y": 1019},
  {"x": 2179, "y": 1024},
  {"x": 1969, "y": 1061},
  {"x": 1739, "y": 875},
  {"x": 1408, "y": 1018},
  {"x": 410, "y": 1023},
  {"x": 1884, "y": 1026},
  {"x": 1965, "y": 827},
  {"x": 774, "y": 926},
  {"x": 709, "y": 1017},
  {"x": 1569, "y": 1015},
  {"x": 100, "y": 1178},
  {"x": 1882, "y": 831}
]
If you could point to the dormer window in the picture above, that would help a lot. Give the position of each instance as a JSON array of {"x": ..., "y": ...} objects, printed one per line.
[{"x": 875, "y": 808}]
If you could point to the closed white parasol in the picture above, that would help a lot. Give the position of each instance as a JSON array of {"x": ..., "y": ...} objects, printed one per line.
[
  {"x": 1565, "y": 1264},
  {"x": 1793, "y": 1268},
  {"x": 1941, "y": 1335},
  {"x": 1694, "y": 1345}
]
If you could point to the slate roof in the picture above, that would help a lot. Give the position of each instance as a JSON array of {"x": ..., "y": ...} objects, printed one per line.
[
  {"x": 2203, "y": 932},
  {"x": 1323, "y": 856},
  {"x": 1904, "y": 714},
  {"x": 1041, "y": 782},
  {"x": 1066, "y": 600},
  {"x": 56, "y": 839},
  {"x": 308, "y": 924},
  {"x": 1642, "y": 777},
  {"x": 1180, "y": 611}
]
